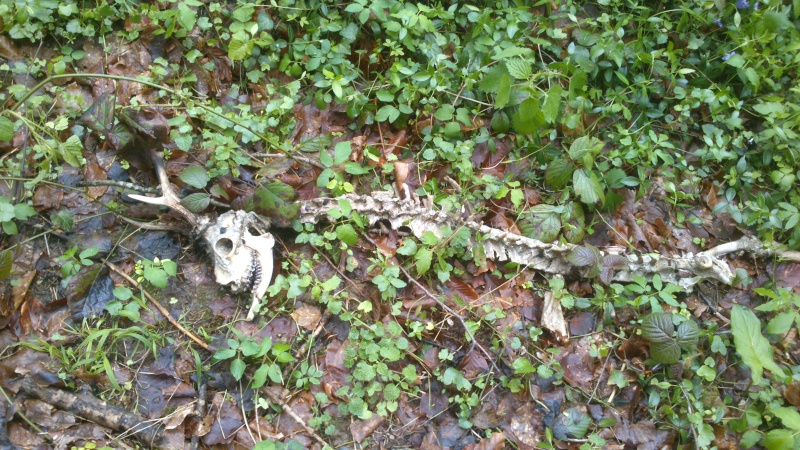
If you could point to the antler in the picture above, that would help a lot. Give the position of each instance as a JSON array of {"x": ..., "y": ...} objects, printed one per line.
[{"x": 168, "y": 197}]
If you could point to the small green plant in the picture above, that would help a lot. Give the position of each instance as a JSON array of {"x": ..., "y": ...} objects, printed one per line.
[
  {"x": 9, "y": 213},
  {"x": 156, "y": 272},
  {"x": 666, "y": 341},
  {"x": 269, "y": 357},
  {"x": 784, "y": 301},
  {"x": 72, "y": 262}
]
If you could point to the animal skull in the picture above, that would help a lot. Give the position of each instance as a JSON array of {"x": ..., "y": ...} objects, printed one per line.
[{"x": 242, "y": 251}]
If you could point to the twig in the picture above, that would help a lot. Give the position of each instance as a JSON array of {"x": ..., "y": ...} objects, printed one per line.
[
  {"x": 163, "y": 310},
  {"x": 100, "y": 412},
  {"x": 291, "y": 412},
  {"x": 448, "y": 309}
]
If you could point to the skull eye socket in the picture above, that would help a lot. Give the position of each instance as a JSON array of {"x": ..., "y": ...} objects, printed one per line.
[{"x": 224, "y": 246}]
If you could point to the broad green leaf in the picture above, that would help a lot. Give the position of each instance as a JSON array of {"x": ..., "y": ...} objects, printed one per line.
[
  {"x": 687, "y": 333},
  {"x": 5, "y": 264},
  {"x": 789, "y": 416},
  {"x": 503, "y": 92},
  {"x": 196, "y": 202},
  {"x": 577, "y": 422},
  {"x": 529, "y": 119},
  {"x": 364, "y": 372},
  {"x": 423, "y": 257},
  {"x": 518, "y": 68},
  {"x": 552, "y": 103},
  {"x": 341, "y": 152},
  {"x": 542, "y": 224},
  {"x": 260, "y": 376},
  {"x": 347, "y": 234},
  {"x": 23, "y": 211},
  {"x": 122, "y": 293},
  {"x": 237, "y": 368},
  {"x": 665, "y": 352},
  {"x": 573, "y": 222},
  {"x": 6, "y": 212},
  {"x": 782, "y": 322},
  {"x": 558, "y": 173},
  {"x": 6, "y": 129},
  {"x": 194, "y": 176},
  {"x": 275, "y": 199},
  {"x": 584, "y": 145},
  {"x": 156, "y": 276},
  {"x": 779, "y": 440},
  {"x": 588, "y": 189},
  {"x": 774, "y": 21},
  {"x": 658, "y": 327},
  {"x": 239, "y": 50},
  {"x": 752, "y": 346},
  {"x": 274, "y": 374},
  {"x": 72, "y": 151},
  {"x": 224, "y": 353}
]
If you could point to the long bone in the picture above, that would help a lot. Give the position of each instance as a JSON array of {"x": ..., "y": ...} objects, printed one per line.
[{"x": 239, "y": 241}]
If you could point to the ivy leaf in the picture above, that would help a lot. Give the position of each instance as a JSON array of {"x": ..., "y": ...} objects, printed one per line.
[
  {"x": 558, "y": 173},
  {"x": 658, "y": 327},
  {"x": 6, "y": 129},
  {"x": 751, "y": 345},
  {"x": 588, "y": 189},
  {"x": 196, "y": 202},
  {"x": 687, "y": 333},
  {"x": 194, "y": 176}
]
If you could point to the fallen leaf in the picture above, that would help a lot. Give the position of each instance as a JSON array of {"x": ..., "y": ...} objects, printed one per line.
[
  {"x": 307, "y": 316},
  {"x": 553, "y": 317}
]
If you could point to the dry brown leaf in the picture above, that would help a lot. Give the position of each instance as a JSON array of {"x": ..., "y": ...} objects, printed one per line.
[
  {"x": 553, "y": 317},
  {"x": 306, "y": 316}
]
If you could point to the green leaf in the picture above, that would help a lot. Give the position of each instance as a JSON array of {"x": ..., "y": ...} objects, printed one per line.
[
  {"x": 6, "y": 129},
  {"x": 23, "y": 211},
  {"x": 239, "y": 50},
  {"x": 584, "y": 145},
  {"x": 72, "y": 151},
  {"x": 666, "y": 352},
  {"x": 274, "y": 199},
  {"x": 518, "y": 68},
  {"x": 552, "y": 103},
  {"x": 5, "y": 264},
  {"x": 779, "y": 440},
  {"x": 576, "y": 422},
  {"x": 237, "y": 368},
  {"x": 503, "y": 91},
  {"x": 156, "y": 276},
  {"x": 364, "y": 372},
  {"x": 6, "y": 212},
  {"x": 781, "y": 323},
  {"x": 658, "y": 327},
  {"x": 341, "y": 152},
  {"x": 751, "y": 345},
  {"x": 558, "y": 173},
  {"x": 89, "y": 252},
  {"x": 789, "y": 416},
  {"x": 260, "y": 376},
  {"x": 182, "y": 140},
  {"x": 274, "y": 374},
  {"x": 423, "y": 257},
  {"x": 573, "y": 222},
  {"x": 687, "y": 333},
  {"x": 347, "y": 234},
  {"x": 588, "y": 189},
  {"x": 543, "y": 224},
  {"x": 122, "y": 293},
  {"x": 224, "y": 353},
  {"x": 774, "y": 21},
  {"x": 196, "y": 202},
  {"x": 529, "y": 119},
  {"x": 194, "y": 176}
]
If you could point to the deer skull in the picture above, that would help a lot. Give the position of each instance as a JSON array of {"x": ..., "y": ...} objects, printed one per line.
[{"x": 242, "y": 251}]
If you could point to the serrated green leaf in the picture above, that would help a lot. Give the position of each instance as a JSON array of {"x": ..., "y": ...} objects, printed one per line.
[
  {"x": 72, "y": 151},
  {"x": 529, "y": 118},
  {"x": 503, "y": 92},
  {"x": 239, "y": 50},
  {"x": 789, "y": 416},
  {"x": 423, "y": 257},
  {"x": 196, "y": 202},
  {"x": 194, "y": 176},
  {"x": 558, "y": 173},
  {"x": 364, "y": 372},
  {"x": 237, "y": 368},
  {"x": 687, "y": 333},
  {"x": 347, "y": 234},
  {"x": 573, "y": 222},
  {"x": 587, "y": 188},
  {"x": 6, "y": 129},
  {"x": 552, "y": 103},
  {"x": 583, "y": 256},
  {"x": 658, "y": 327},
  {"x": 752, "y": 346},
  {"x": 542, "y": 225},
  {"x": 518, "y": 68},
  {"x": 576, "y": 422},
  {"x": 774, "y": 21},
  {"x": 665, "y": 352},
  {"x": 5, "y": 264}
]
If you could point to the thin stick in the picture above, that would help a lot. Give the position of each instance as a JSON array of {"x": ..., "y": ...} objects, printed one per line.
[
  {"x": 291, "y": 412},
  {"x": 450, "y": 310},
  {"x": 163, "y": 310}
]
